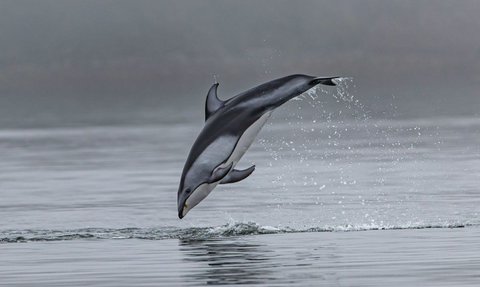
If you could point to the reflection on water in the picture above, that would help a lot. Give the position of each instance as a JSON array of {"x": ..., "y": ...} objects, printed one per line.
[
  {"x": 229, "y": 262},
  {"x": 243, "y": 261}
]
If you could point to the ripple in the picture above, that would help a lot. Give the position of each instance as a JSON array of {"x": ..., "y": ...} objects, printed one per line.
[{"x": 194, "y": 233}]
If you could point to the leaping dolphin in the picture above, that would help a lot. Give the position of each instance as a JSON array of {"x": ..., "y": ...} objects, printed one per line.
[{"x": 230, "y": 128}]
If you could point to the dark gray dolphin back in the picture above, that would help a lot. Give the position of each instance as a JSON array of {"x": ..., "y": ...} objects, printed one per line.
[{"x": 273, "y": 94}]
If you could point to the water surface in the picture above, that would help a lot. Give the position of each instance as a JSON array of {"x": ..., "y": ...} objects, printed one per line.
[{"x": 343, "y": 201}]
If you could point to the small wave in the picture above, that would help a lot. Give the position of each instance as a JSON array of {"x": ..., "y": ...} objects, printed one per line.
[{"x": 193, "y": 233}]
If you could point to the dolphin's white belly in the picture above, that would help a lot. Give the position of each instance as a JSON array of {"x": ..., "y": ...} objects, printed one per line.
[
  {"x": 247, "y": 139},
  {"x": 243, "y": 144}
]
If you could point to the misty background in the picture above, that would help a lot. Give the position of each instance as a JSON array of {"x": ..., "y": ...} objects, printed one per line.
[{"x": 64, "y": 61}]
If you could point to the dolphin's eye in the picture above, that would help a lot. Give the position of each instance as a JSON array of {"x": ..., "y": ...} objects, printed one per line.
[{"x": 188, "y": 190}]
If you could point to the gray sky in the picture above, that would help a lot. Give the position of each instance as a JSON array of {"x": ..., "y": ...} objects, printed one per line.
[{"x": 425, "y": 52}]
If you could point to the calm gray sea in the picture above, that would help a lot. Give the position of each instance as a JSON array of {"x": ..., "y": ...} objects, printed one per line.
[{"x": 335, "y": 201}]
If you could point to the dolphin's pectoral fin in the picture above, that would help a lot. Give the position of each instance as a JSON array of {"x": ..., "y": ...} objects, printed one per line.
[
  {"x": 213, "y": 103},
  {"x": 220, "y": 172},
  {"x": 237, "y": 175}
]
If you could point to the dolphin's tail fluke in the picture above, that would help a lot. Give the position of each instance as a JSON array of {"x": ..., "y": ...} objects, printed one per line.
[{"x": 330, "y": 81}]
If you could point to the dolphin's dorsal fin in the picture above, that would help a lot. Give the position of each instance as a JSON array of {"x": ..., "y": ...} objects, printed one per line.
[
  {"x": 236, "y": 175},
  {"x": 213, "y": 103}
]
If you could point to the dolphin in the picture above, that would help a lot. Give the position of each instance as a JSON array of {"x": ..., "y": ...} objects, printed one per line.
[{"x": 230, "y": 128}]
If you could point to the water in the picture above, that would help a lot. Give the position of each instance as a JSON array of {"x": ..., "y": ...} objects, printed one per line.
[{"x": 337, "y": 199}]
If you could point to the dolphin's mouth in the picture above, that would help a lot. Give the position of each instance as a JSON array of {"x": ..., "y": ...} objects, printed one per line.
[
  {"x": 183, "y": 209},
  {"x": 182, "y": 212}
]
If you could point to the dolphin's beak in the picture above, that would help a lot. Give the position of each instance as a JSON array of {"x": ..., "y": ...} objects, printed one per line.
[
  {"x": 182, "y": 207},
  {"x": 182, "y": 211}
]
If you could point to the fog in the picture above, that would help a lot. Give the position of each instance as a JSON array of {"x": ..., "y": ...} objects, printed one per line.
[{"x": 423, "y": 57}]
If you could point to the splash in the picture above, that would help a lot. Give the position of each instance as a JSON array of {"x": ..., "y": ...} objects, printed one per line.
[
  {"x": 233, "y": 229},
  {"x": 320, "y": 119},
  {"x": 328, "y": 142}
]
